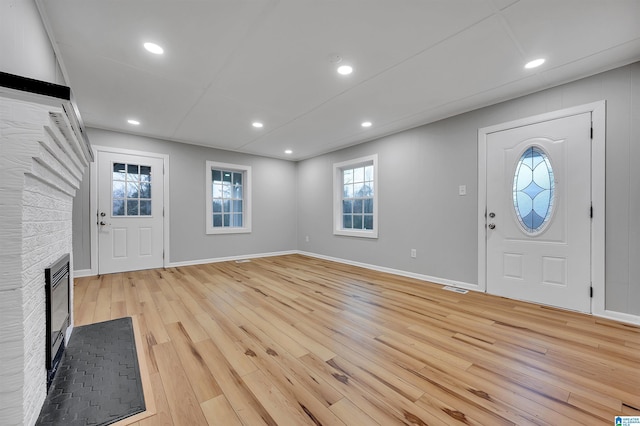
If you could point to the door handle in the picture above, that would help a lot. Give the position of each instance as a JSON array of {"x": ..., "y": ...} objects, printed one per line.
[
  {"x": 102, "y": 223},
  {"x": 492, "y": 226}
]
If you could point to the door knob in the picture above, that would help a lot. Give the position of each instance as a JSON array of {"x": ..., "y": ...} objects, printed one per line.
[
  {"x": 492, "y": 226},
  {"x": 102, "y": 223},
  {"x": 492, "y": 214}
]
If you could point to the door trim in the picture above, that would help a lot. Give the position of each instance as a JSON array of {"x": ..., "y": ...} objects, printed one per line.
[
  {"x": 94, "y": 200},
  {"x": 598, "y": 117}
]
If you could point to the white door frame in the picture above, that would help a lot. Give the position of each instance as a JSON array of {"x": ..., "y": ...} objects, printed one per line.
[
  {"x": 598, "y": 124},
  {"x": 94, "y": 201}
]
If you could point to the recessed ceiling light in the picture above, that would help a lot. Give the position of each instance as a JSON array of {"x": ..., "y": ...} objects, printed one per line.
[
  {"x": 535, "y": 63},
  {"x": 288, "y": 151},
  {"x": 345, "y": 69},
  {"x": 133, "y": 122},
  {"x": 366, "y": 124},
  {"x": 154, "y": 48},
  {"x": 257, "y": 124}
]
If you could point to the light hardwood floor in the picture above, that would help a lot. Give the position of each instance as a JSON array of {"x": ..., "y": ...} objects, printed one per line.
[{"x": 295, "y": 340}]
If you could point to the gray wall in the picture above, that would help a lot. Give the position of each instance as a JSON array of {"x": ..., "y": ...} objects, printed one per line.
[
  {"x": 419, "y": 174},
  {"x": 25, "y": 48},
  {"x": 273, "y": 196},
  {"x": 418, "y": 204}
]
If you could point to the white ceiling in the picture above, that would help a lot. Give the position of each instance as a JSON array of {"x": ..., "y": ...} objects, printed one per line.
[{"x": 228, "y": 63}]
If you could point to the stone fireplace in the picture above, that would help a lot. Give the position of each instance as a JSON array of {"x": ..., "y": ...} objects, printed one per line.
[{"x": 43, "y": 155}]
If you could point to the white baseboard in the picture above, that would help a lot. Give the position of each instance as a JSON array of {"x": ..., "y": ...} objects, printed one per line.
[
  {"x": 79, "y": 273},
  {"x": 619, "y": 316},
  {"x": 421, "y": 277},
  {"x": 230, "y": 258}
]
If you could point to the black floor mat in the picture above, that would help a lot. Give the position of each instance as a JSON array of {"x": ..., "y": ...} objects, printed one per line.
[{"x": 98, "y": 381}]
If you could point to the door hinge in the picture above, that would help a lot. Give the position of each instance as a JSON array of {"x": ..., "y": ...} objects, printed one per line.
[
  {"x": 591, "y": 211},
  {"x": 590, "y": 291},
  {"x": 591, "y": 132},
  {"x": 162, "y": 254}
]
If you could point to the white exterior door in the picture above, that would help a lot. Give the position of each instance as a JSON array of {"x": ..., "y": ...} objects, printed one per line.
[
  {"x": 538, "y": 203},
  {"x": 130, "y": 212}
]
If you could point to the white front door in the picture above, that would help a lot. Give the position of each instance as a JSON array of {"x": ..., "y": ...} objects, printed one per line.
[
  {"x": 130, "y": 212},
  {"x": 538, "y": 203}
]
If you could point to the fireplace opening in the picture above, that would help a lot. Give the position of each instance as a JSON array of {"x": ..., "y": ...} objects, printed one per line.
[{"x": 57, "y": 283}]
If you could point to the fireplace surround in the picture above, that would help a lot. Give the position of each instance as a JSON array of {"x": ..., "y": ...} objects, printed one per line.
[{"x": 44, "y": 154}]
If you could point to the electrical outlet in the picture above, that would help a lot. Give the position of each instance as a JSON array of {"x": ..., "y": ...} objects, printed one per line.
[
  {"x": 414, "y": 253},
  {"x": 462, "y": 190},
  {"x": 306, "y": 238}
]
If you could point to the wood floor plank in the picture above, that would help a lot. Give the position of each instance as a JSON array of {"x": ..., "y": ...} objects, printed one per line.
[
  {"x": 218, "y": 411},
  {"x": 131, "y": 297},
  {"x": 189, "y": 322},
  {"x": 163, "y": 412},
  {"x": 249, "y": 409},
  {"x": 350, "y": 414},
  {"x": 283, "y": 410},
  {"x": 229, "y": 347},
  {"x": 165, "y": 310},
  {"x": 154, "y": 323},
  {"x": 290, "y": 344},
  {"x": 83, "y": 314},
  {"x": 202, "y": 382},
  {"x": 339, "y": 378},
  {"x": 103, "y": 310},
  {"x": 79, "y": 291},
  {"x": 307, "y": 343},
  {"x": 285, "y": 380},
  {"x": 298, "y": 340},
  {"x": 183, "y": 403}
]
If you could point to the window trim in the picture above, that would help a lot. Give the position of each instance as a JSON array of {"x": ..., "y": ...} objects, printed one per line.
[
  {"x": 246, "y": 220},
  {"x": 337, "y": 197}
]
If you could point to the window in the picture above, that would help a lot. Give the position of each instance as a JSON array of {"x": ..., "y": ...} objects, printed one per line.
[
  {"x": 533, "y": 190},
  {"x": 131, "y": 190},
  {"x": 228, "y": 198},
  {"x": 356, "y": 197}
]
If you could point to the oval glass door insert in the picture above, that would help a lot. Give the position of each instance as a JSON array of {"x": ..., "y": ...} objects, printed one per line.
[{"x": 533, "y": 190}]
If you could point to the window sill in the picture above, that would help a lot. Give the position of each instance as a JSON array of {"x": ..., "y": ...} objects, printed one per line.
[
  {"x": 219, "y": 231},
  {"x": 358, "y": 234}
]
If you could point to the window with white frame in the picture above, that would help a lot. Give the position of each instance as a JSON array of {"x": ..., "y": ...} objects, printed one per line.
[
  {"x": 228, "y": 208},
  {"x": 356, "y": 197}
]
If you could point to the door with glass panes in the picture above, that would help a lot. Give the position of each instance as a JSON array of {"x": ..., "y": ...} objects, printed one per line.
[
  {"x": 130, "y": 212},
  {"x": 538, "y": 236}
]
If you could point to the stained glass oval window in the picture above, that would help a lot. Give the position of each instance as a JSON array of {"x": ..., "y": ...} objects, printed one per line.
[{"x": 533, "y": 190}]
